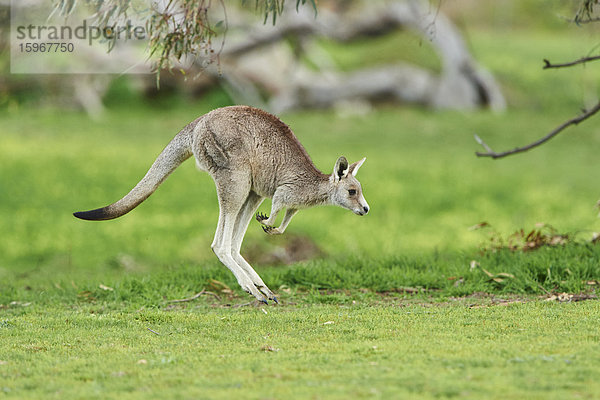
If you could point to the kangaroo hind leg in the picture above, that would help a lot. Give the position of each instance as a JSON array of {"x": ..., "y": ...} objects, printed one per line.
[
  {"x": 241, "y": 226},
  {"x": 232, "y": 193}
]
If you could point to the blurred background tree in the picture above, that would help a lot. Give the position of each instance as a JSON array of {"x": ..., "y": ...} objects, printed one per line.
[
  {"x": 275, "y": 55},
  {"x": 281, "y": 56}
]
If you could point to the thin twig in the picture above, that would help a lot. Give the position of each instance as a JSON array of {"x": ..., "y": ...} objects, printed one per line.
[
  {"x": 156, "y": 333},
  {"x": 548, "y": 64},
  {"x": 194, "y": 297},
  {"x": 483, "y": 144},
  {"x": 541, "y": 287},
  {"x": 574, "y": 121}
]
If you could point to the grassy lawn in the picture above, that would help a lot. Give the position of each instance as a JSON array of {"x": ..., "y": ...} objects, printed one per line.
[
  {"x": 65, "y": 334},
  {"x": 327, "y": 351},
  {"x": 406, "y": 302}
]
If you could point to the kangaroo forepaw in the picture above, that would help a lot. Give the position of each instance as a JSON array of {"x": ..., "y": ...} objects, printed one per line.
[
  {"x": 271, "y": 230},
  {"x": 260, "y": 217}
]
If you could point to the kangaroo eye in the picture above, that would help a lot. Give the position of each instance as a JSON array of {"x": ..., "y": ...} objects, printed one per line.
[{"x": 352, "y": 192}]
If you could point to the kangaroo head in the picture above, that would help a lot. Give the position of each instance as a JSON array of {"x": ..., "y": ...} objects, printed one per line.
[{"x": 347, "y": 192}]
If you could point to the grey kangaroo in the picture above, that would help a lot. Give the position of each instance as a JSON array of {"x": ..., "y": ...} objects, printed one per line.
[{"x": 251, "y": 155}]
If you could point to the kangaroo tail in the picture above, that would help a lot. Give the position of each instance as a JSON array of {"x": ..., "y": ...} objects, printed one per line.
[{"x": 176, "y": 152}]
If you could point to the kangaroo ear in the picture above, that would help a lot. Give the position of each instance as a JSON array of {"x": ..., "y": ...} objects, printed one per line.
[
  {"x": 341, "y": 169},
  {"x": 355, "y": 166}
]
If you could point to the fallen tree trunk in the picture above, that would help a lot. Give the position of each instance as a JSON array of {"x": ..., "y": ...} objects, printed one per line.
[{"x": 462, "y": 83}]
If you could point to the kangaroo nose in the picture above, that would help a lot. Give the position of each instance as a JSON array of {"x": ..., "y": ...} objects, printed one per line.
[{"x": 366, "y": 209}]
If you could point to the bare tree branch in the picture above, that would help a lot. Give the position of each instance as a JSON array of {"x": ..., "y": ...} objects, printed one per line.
[
  {"x": 574, "y": 121},
  {"x": 548, "y": 64},
  {"x": 585, "y": 14}
]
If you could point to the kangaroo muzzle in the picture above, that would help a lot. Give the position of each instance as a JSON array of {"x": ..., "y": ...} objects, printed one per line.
[{"x": 363, "y": 207}]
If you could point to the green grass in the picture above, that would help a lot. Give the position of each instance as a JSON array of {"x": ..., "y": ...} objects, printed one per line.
[
  {"x": 572, "y": 268},
  {"x": 514, "y": 352},
  {"x": 77, "y": 299},
  {"x": 425, "y": 189},
  {"x": 423, "y": 184}
]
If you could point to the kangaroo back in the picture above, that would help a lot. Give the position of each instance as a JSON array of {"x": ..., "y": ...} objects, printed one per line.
[{"x": 176, "y": 152}]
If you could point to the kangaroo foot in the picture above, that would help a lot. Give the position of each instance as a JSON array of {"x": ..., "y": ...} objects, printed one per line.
[
  {"x": 254, "y": 280},
  {"x": 261, "y": 293},
  {"x": 258, "y": 289},
  {"x": 251, "y": 288},
  {"x": 267, "y": 292}
]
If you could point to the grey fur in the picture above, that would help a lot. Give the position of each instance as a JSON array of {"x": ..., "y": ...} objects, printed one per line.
[{"x": 251, "y": 155}]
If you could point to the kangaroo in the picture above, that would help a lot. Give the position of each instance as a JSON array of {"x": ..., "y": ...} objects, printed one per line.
[{"x": 251, "y": 155}]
